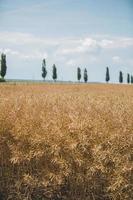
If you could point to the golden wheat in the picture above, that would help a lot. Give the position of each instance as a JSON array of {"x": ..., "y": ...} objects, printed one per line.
[{"x": 66, "y": 142}]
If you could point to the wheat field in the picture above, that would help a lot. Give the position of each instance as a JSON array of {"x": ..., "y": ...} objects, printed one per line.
[{"x": 66, "y": 142}]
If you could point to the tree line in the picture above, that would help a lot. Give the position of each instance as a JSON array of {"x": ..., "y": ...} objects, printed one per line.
[
  {"x": 44, "y": 71},
  {"x": 85, "y": 74},
  {"x": 121, "y": 79},
  {"x": 3, "y": 70}
]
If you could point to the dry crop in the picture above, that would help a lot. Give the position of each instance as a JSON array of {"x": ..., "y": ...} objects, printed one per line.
[{"x": 66, "y": 142}]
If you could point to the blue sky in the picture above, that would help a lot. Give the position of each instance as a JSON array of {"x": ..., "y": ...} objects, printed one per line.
[{"x": 70, "y": 33}]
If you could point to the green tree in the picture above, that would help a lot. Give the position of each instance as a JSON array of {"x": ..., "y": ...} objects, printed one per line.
[
  {"x": 131, "y": 79},
  {"x": 85, "y": 75},
  {"x": 120, "y": 77},
  {"x": 107, "y": 75},
  {"x": 3, "y": 66},
  {"x": 54, "y": 76},
  {"x": 44, "y": 71},
  {"x": 78, "y": 74},
  {"x": 128, "y": 78}
]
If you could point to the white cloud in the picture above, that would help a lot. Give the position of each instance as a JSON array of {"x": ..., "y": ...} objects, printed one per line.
[
  {"x": 126, "y": 62},
  {"x": 17, "y": 38},
  {"x": 78, "y": 46},
  {"x": 116, "y": 59},
  {"x": 9, "y": 52},
  {"x": 70, "y": 62},
  {"x": 70, "y": 44},
  {"x": 24, "y": 56},
  {"x": 116, "y": 43},
  {"x": 64, "y": 51}
]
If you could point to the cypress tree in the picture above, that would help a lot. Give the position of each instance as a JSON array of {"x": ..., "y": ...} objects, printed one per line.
[
  {"x": 3, "y": 65},
  {"x": 44, "y": 71},
  {"x": 78, "y": 74},
  {"x": 120, "y": 77},
  {"x": 131, "y": 79},
  {"x": 128, "y": 78},
  {"x": 54, "y": 76},
  {"x": 107, "y": 75},
  {"x": 85, "y": 75}
]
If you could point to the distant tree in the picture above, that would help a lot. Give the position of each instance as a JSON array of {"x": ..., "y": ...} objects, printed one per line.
[
  {"x": 3, "y": 65},
  {"x": 85, "y": 75},
  {"x": 120, "y": 77},
  {"x": 128, "y": 78},
  {"x": 131, "y": 79},
  {"x": 44, "y": 71},
  {"x": 107, "y": 75},
  {"x": 78, "y": 74},
  {"x": 54, "y": 76}
]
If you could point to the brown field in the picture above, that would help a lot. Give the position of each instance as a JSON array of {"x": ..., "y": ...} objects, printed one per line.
[{"x": 66, "y": 142}]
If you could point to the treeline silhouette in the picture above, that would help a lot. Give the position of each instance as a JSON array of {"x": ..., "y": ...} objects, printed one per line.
[
  {"x": 3, "y": 70},
  {"x": 121, "y": 79}
]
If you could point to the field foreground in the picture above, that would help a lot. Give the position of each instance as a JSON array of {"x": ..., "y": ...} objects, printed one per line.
[{"x": 66, "y": 142}]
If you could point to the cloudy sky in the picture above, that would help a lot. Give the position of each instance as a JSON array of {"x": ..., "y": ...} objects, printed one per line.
[{"x": 70, "y": 33}]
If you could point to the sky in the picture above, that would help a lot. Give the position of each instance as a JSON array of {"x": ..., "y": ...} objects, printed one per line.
[{"x": 91, "y": 34}]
